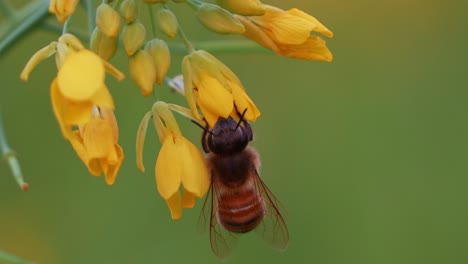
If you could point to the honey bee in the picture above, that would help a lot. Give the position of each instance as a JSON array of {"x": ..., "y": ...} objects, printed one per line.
[{"x": 238, "y": 200}]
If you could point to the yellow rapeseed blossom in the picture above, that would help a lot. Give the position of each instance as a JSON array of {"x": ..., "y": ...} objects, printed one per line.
[
  {"x": 79, "y": 84},
  {"x": 288, "y": 33},
  {"x": 62, "y": 8},
  {"x": 215, "y": 89},
  {"x": 179, "y": 161},
  {"x": 96, "y": 144}
]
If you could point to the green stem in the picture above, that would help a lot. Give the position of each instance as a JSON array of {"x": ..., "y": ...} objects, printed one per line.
[
  {"x": 6, "y": 257},
  {"x": 188, "y": 45},
  {"x": 194, "y": 4},
  {"x": 91, "y": 16},
  {"x": 9, "y": 155},
  {"x": 66, "y": 26},
  {"x": 23, "y": 21},
  {"x": 151, "y": 15}
]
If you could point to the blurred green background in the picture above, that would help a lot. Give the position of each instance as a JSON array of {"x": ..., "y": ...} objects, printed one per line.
[{"x": 369, "y": 153}]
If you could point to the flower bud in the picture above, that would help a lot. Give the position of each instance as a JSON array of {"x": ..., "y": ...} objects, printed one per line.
[
  {"x": 219, "y": 20},
  {"x": 243, "y": 7},
  {"x": 133, "y": 36},
  {"x": 108, "y": 20},
  {"x": 62, "y": 8},
  {"x": 129, "y": 11},
  {"x": 167, "y": 22},
  {"x": 142, "y": 71},
  {"x": 103, "y": 45},
  {"x": 159, "y": 51}
]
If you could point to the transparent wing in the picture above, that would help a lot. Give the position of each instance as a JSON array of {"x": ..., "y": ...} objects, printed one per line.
[
  {"x": 222, "y": 241},
  {"x": 273, "y": 228}
]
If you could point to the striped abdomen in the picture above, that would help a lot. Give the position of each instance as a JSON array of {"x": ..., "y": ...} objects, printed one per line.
[{"x": 240, "y": 209}]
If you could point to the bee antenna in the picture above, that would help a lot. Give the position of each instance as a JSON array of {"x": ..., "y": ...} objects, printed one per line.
[
  {"x": 241, "y": 119},
  {"x": 205, "y": 128}
]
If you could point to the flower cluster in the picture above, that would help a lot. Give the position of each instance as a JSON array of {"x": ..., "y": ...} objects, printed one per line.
[{"x": 84, "y": 107}]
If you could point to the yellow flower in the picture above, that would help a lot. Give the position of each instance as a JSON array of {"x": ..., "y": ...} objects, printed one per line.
[
  {"x": 79, "y": 84},
  {"x": 96, "y": 144},
  {"x": 215, "y": 89},
  {"x": 62, "y": 8},
  {"x": 288, "y": 33},
  {"x": 179, "y": 161}
]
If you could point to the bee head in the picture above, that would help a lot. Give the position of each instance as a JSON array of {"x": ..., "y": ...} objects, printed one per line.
[{"x": 228, "y": 136}]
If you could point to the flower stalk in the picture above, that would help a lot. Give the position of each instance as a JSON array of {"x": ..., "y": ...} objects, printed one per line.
[{"x": 10, "y": 156}]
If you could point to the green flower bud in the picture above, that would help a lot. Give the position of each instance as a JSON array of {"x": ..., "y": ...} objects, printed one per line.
[
  {"x": 243, "y": 7},
  {"x": 108, "y": 20},
  {"x": 219, "y": 20},
  {"x": 142, "y": 71},
  {"x": 129, "y": 11},
  {"x": 103, "y": 45},
  {"x": 159, "y": 51},
  {"x": 133, "y": 36},
  {"x": 167, "y": 22}
]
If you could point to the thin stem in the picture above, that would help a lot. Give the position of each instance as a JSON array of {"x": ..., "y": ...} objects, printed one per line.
[
  {"x": 67, "y": 25},
  {"x": 9, "y": 155},
  {"x": 23, "y": 21},
  {"x": 184, "y": 38},
  {"x": 194, "y": 4},
  {"x": 91, "y": 16},
  {"x": 6, "y": 257},
  {"x": 151, "y": 15}
]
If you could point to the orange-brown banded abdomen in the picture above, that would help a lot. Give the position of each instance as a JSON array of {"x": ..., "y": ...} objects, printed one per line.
[{"x": 240, "y": 212}]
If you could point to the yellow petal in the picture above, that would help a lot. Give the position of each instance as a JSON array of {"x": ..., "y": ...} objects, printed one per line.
[
  {"x": 168, "y": 170},
  {"x": 140, "y": 140},
  {"x": 57, "y": 106},
  {"x": 242, "y": 102},
  {"x": 175, "y": 205},
  {"x": 195, "y": 174},
  {"x": 76, "y": 113},
  {"x": 255, "y": 33},
  {"x": 98, "y": 139},
  {"x": 112, "y": 170},
  {"x": 319, "y": 26},
  {"x": 313, "y": 49},
  {"x": 103, "y": 98},
  {"x": 94, "y": 167},
  {"x": 77, "y": 144},
  {"x": 188, "y": 86},
  {"x": 39, "y": 56},
  {"x": 213, "y": 99},
  {"x": 283, "y": 27},
  {"x": 188, "y": 199},
  {"x": 108, "y": 115},
  {"x": 81, "y": 76}
]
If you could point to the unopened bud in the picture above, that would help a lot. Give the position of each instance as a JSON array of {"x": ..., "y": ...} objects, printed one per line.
[
  {"x": 108, "y": 20},
  {"x": 243, "y": 7},
  {"x": 133, "y": 36},
  {"x": 219, "y": 20},
  {"x": 129, "y": 11},
  {"x": 167, "y": 22},
  {"x": 103, "y": 45},
  {"x": 159, "y": 51},
  {"x": 142, "y": 71}
]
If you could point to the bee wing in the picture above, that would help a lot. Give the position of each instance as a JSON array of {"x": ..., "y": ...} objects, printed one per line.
[
  {"x": 273, "y": 228},
  {"x": 222, "y": 241}
]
